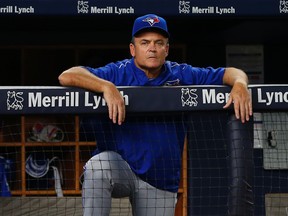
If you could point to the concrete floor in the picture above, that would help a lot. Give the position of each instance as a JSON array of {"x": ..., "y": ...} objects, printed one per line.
[{"x": 54, "y": 206}]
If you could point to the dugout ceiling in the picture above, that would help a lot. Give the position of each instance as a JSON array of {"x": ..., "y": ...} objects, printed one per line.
[{"x": 204, "y": 36}]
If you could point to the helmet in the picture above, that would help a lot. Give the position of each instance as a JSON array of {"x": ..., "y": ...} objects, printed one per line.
[{"x": 46, "y": 133}]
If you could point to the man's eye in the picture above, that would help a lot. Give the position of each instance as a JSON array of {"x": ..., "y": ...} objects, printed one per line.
[{"x": 160, "y": 43}]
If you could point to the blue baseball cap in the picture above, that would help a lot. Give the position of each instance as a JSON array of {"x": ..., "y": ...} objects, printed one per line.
[{"x": 150, "y": 22}]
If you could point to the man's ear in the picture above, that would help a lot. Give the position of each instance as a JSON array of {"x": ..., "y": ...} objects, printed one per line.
[
  {"x": 167, "y": 50},
  {"x": 132, "y": 49}
]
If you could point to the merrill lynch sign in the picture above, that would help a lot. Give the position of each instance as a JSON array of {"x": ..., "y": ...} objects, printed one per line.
[{"x": 137, "y": 99}]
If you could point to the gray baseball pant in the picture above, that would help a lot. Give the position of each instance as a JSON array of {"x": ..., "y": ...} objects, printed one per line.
[{"x": 107, "y": 175}]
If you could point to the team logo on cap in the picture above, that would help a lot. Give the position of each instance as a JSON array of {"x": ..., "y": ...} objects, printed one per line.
[{"x": 151, "y": 20}]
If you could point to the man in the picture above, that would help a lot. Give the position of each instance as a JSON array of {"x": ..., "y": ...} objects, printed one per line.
[{"x": 141, "y": 159}]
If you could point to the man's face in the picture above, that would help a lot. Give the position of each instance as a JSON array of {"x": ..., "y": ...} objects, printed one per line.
[{"x": 150, "y": 50}]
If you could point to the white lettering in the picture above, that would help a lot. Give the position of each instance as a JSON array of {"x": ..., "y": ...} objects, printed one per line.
[
  {"x": 7, "y": 9},
  {"x": 272, "y": 97},
  {"x": 70, "y": 99},
  {"x": 86, "y": 101},
  {"x": 26, "y": 10},
  {"x": 34, "y": 101},
  {"x": 60, "y": 100},
  {"x": 269, "y": 96},
  {"x": 207, "y": 10},
  {"x": 220, "y": 98},
  {"x": 125, "y": 97},
  {"x": 107, "y": 10},
  {"x": 260, "y": 99},
  {"x": 208, "y": 96},
  {"x": 46, "y": 101},
  {"x": 76, "y": 99},
  {"x": 230, "y": 10},
  {"x": 285, "y": 97},
  {"x": 119, "y": 11},
  {"x": 96, "y": 102}
]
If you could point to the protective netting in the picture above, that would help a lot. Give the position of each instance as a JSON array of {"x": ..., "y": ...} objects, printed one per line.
[{"x": 227, "y": 168}]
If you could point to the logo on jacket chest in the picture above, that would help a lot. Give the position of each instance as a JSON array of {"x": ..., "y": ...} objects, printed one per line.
[{"x": 172, "y": 82}]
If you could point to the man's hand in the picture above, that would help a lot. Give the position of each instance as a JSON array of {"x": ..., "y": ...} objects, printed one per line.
[
  {"x": 81, "y": 77},
  {"x": 115, "y": 102},
  {"x": 241, "y": 99}
]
